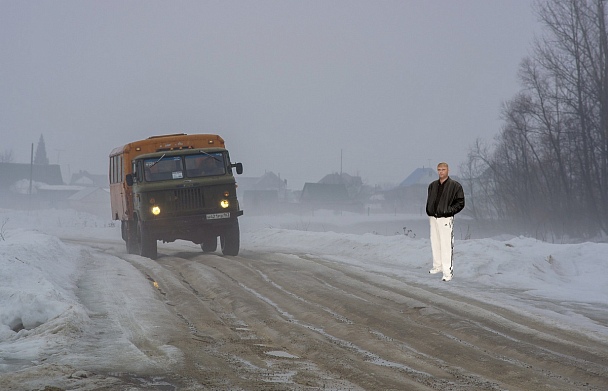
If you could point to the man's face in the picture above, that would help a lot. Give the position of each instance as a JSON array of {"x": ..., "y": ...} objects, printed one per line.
[{"x": 443, "y": 172}]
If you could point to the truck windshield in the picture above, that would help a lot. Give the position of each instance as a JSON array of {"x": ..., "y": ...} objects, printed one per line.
[
  {"x": 205, "y": 164},
  {"x": 162, "y": 169}
]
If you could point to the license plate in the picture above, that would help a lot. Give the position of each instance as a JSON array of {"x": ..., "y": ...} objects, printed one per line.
[{"x": 215, "y": 216}]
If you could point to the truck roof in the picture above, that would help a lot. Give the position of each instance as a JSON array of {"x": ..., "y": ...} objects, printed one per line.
[
  {"x": 170, "y": 142},
  {"x": 178, "y": 152}
]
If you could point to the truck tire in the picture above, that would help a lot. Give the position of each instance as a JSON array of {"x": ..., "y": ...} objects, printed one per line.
[
  {"x": 146, "y": 244},
  {"x": 209, "y": 245},
  {"x": 129, "y": 234},
  {"x": 230, "y": 240}
]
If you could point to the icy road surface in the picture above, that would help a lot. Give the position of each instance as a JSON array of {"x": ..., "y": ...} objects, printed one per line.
[{"x": 296, "y": 321}]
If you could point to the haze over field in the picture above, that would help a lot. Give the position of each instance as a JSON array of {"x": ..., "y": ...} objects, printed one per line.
[{"x": 291, "y": 86}]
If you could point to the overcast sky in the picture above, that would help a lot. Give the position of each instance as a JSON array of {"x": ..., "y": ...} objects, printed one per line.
[{"x": 290, "y": 85}]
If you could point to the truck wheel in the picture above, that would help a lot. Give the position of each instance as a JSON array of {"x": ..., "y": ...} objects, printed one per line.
[
  {"x": 209, "y": 245},
  {"x": 129, "y": 234},
  {"x": 231, "y": 240},
  {"x": 123, "y": 230},
  {"x": 146, "y": 243}
]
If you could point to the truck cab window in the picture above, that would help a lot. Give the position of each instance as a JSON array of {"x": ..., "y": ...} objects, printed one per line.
[
  {"x": 163, "y": 169},
  {"x": 205, "y": 164}
]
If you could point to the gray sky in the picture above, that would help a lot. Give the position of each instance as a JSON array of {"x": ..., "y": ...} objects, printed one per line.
[{"x": 394, "y": 85}]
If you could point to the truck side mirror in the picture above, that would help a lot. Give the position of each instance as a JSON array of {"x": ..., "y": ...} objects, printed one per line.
[
  {"x": 239, "y": 168},
  {"x": 129, "y": 179}
]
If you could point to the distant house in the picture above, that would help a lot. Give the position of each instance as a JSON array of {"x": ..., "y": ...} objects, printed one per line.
[
  {"x": 55, "y": 196},
  {"x": 332, "y": 196},
  {"x": 92, "y": 199},
  {"x": 353, "y": 184},
  {"x": 262, "y": 194},
  {"x": 84, "y": 178},
  {"x": 93, "y": 196},
  {"x": 337, "y": 191},
  {"x": 420, "y": 176},
  {"x": 10, "y": 173},
  {"x": 16, "y": 177},
  {"x": 410, "y": 195},
  {"x": 324, "y": 194}
]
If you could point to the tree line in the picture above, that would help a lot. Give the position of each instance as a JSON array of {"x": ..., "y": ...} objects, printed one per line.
[{"x": 547, "y": 169}]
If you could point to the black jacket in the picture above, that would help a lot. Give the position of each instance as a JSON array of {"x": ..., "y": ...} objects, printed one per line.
[{"x": 451, "y": 201}]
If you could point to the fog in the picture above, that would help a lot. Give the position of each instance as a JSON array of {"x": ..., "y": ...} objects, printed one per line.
[{"x": 300, "y": 88}]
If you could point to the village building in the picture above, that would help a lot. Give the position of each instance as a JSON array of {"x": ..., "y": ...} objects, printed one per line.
[
  {"x": 337, "y": 191},
  {"x": 19, "y": 183},
  {"x": 411, "y": 194},
  {"x": 265, "y": 194}
]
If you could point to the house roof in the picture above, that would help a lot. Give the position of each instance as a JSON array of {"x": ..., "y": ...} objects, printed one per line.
[
  {"x": 420, "y": 176},
  {"x": 342, "y": 178},
  {"x": 85, "y": 192},
  {"x": 11, "y": 173},
  {"x": 84, "y": 178},
  {"x": 44, "y": 187},
  {"x": 268, "y": 181}
]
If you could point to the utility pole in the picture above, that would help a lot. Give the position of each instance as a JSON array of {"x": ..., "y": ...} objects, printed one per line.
[{"x": 31, "y": 168}]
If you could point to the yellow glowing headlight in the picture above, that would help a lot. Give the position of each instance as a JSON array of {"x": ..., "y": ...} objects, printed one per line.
[
  {"x": 224, "y": 203},
  {"x": 155, "y": 210}
]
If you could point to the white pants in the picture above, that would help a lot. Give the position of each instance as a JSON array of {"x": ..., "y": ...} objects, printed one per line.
[{"x": 442, "y": 243}]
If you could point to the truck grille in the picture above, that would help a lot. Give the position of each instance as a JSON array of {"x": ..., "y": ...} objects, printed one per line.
[{"x": 188, "y": 199}]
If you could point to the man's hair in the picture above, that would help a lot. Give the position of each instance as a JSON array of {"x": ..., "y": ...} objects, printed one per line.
[{"x": 442, "y": 164}]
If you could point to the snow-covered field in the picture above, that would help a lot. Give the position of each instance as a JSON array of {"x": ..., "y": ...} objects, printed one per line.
[{"x": 40, "y": 312}]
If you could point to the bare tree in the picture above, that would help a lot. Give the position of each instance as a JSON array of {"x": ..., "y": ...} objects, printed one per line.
[
  {"x": 478, "y": 181},
  {"x": 550, "y": 162},
  {"x": 7, "y": 157},
  {"x": 576, "y": 56}
]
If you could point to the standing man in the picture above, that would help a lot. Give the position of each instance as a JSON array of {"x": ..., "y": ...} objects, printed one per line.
[{"x": 445, "y": 199}]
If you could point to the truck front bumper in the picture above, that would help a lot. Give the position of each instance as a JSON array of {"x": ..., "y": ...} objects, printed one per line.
[{"x": 192, "y": 227}]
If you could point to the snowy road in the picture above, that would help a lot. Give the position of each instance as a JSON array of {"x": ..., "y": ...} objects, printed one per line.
[{"x": 290, "y": 321}]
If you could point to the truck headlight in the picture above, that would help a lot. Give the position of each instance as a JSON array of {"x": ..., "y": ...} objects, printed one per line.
[
  {"x": 155, "y": 210},
  {"x": 224, "y": 203}
]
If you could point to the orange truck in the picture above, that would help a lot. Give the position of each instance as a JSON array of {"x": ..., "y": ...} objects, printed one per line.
[{"x": 176, "y": 186}]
